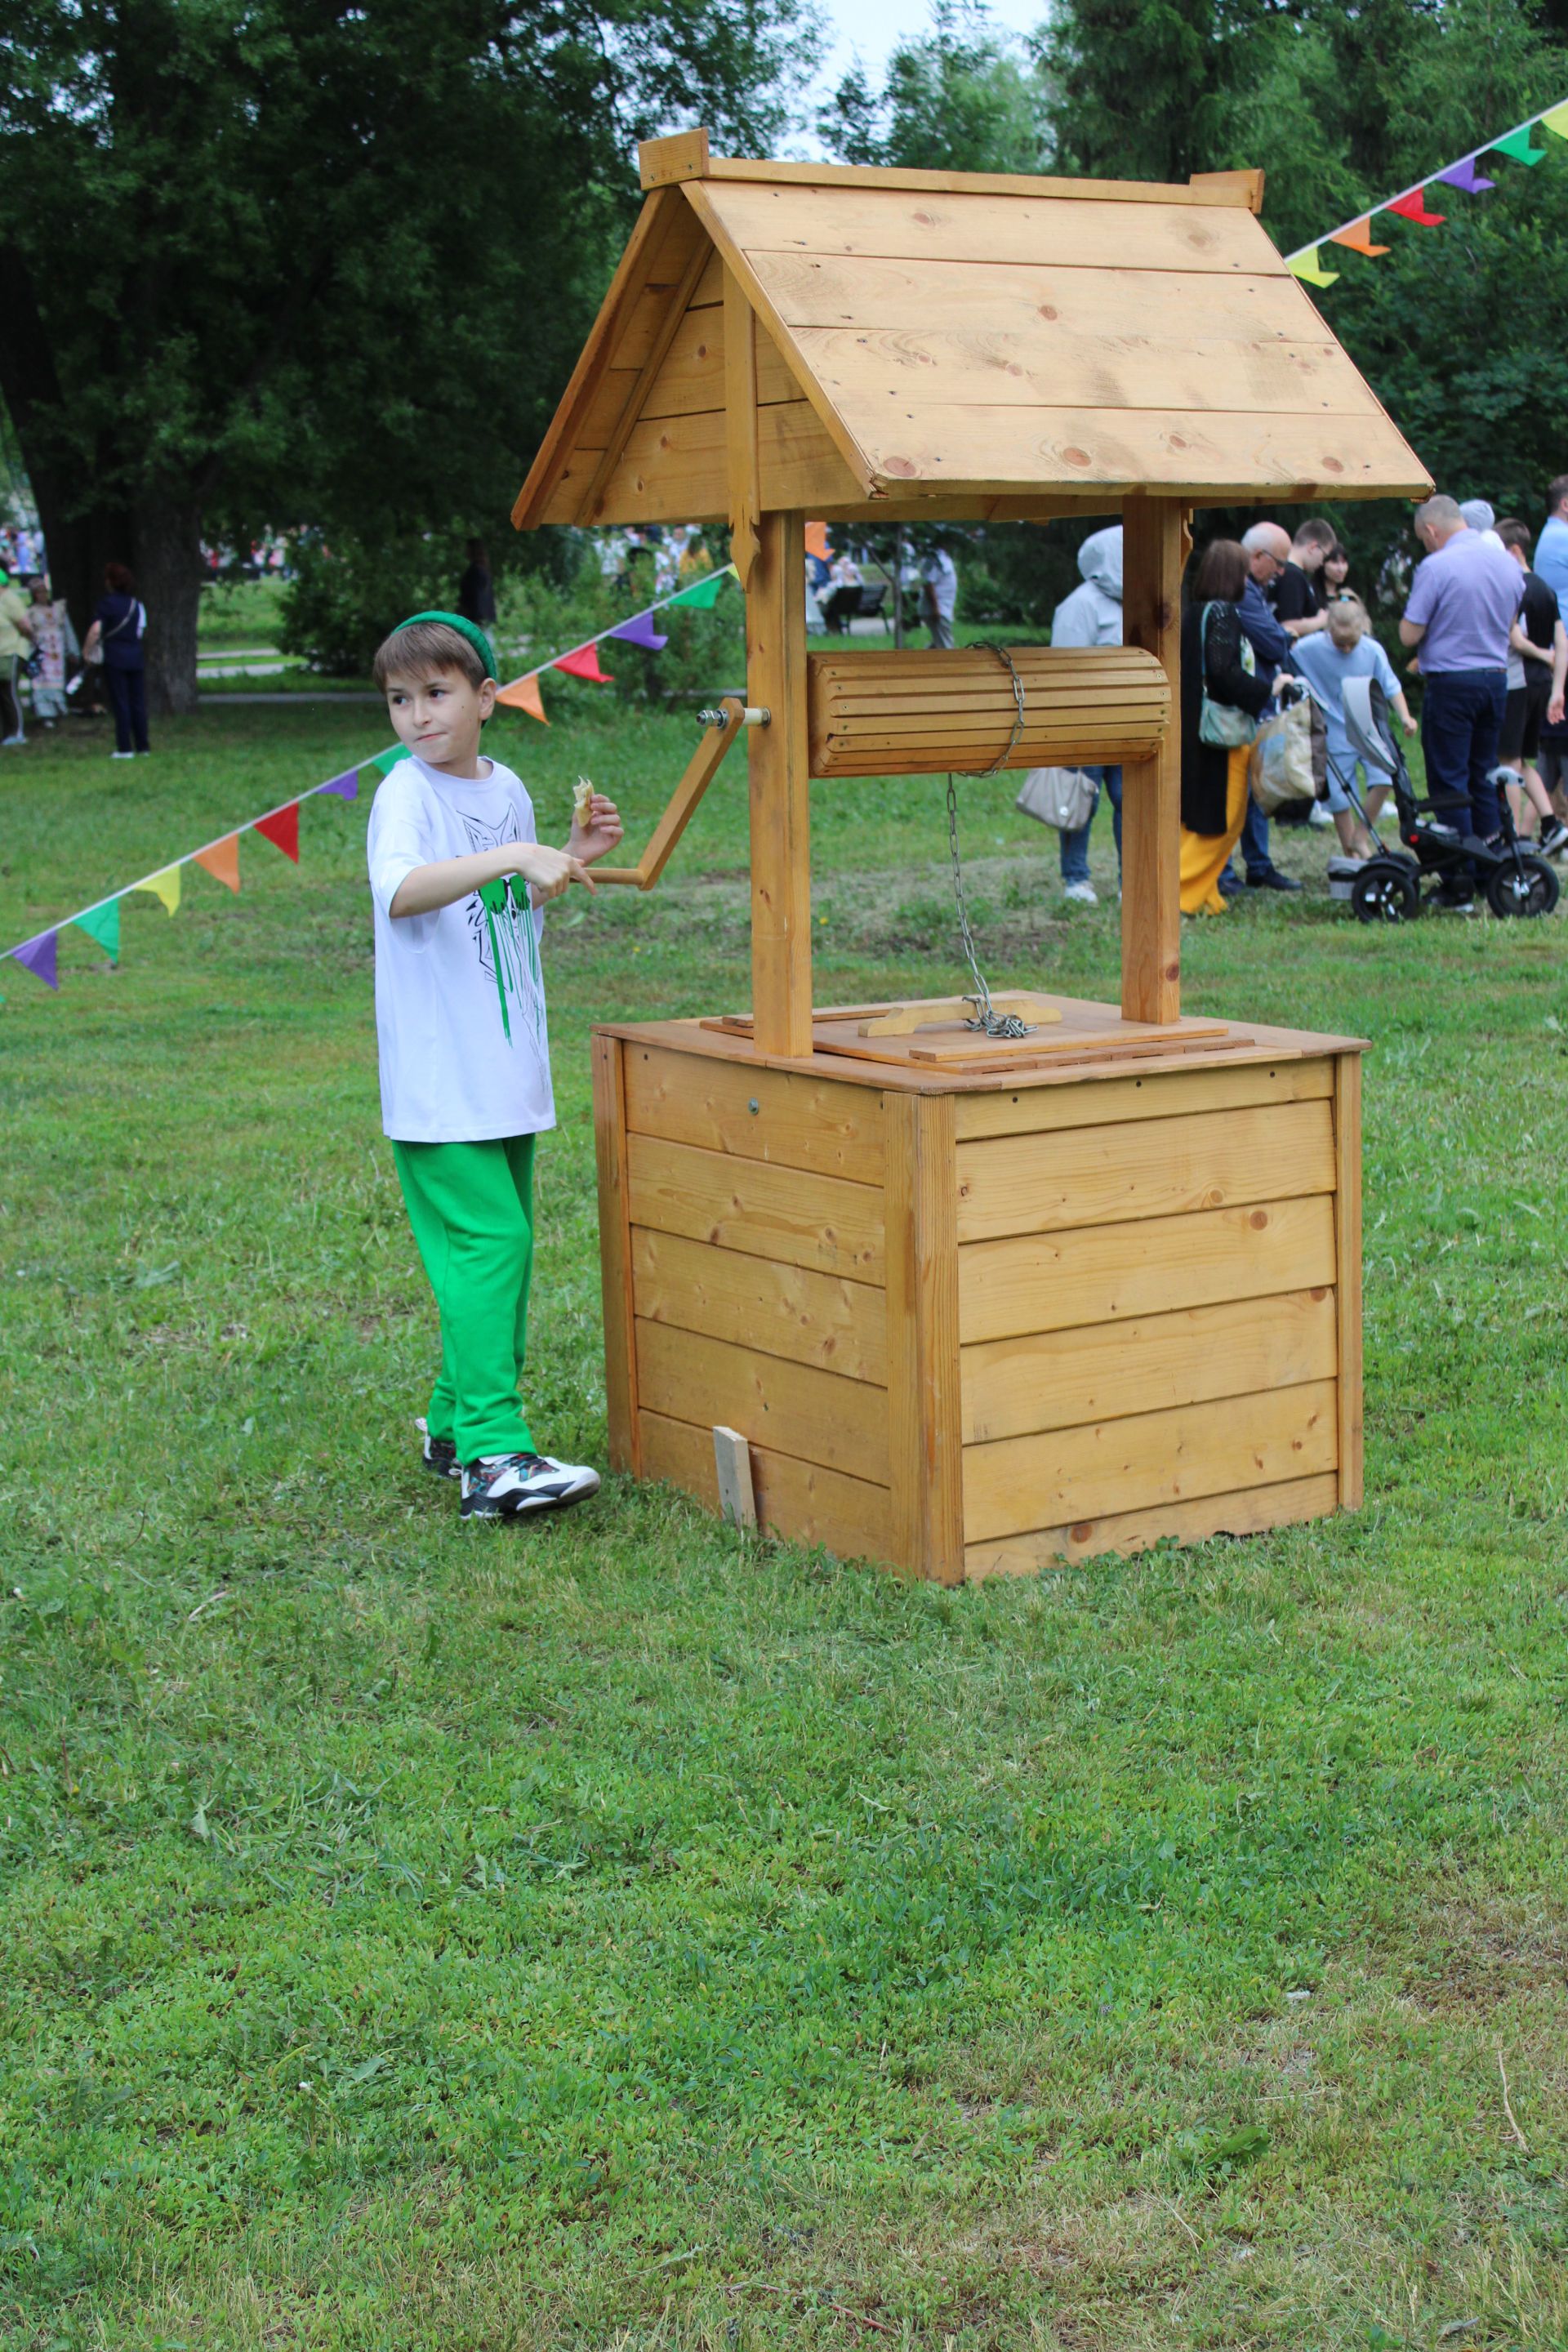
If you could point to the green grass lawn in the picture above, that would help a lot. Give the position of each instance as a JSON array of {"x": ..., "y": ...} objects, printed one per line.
[{"x": 619, "y": 1933}]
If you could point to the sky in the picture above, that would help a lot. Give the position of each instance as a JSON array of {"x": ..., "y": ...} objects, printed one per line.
[{"x": 875, "y": 28}]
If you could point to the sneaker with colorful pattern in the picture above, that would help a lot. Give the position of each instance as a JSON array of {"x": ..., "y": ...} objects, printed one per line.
[
  {"x": 437, "y": 1454},
  {"x": 510, "y": 1486}
]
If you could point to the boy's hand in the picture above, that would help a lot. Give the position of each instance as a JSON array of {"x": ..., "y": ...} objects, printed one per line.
[
  {"x": 549, "y": 871},
  {"x": 603, "y": 831}
]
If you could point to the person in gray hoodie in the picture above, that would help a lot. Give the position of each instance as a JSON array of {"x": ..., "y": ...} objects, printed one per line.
[{"x": 1091, "y": 616}]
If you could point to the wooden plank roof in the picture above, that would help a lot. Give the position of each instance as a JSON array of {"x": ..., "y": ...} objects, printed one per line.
[{"x": 982, "y": 341}]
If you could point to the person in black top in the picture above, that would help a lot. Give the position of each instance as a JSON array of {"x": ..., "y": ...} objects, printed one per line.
[
  {"x": 115, "y": 640},
  {"x": 477, "y": 589},
  {"x": 1295, "y": 594},
  {"x": 1216, "y": 659},
  {"x": 1537, "y": 665}
]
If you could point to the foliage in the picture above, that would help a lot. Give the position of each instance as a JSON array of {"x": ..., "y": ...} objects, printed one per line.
[
  {"x": 296, "y": 265},
  {"x": 619, "y": 1932},
  {"x": 955, "y": 99}
]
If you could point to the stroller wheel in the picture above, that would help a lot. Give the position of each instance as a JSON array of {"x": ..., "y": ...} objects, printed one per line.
[
  {"x": 1530, "y": 887},
  {"x": 1384, "y": 892}
]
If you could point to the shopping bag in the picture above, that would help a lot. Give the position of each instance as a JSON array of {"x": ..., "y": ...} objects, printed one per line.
[
  {"x": 1062, "y": 797},
  {"x": 1281, "y": 770}
]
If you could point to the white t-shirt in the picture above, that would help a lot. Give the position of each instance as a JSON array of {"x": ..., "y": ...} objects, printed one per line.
[{"x": 448, "y": 1073}]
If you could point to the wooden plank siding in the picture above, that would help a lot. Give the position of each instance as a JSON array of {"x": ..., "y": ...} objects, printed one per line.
[
  {"x": 756, "y": 1113},
  {"x": 1147, "y": 1459},
  {"x": 824, "y": 1223},
  {"x": 782, "y": 1310},
  {"x": 1106, "y": 1175},
  {"x": 794, "y": 1409},
  {"x": 803, "y": 1501},
  {"x": 1244, "y": 1514},
  {"x": 1040, "y": 1109}
]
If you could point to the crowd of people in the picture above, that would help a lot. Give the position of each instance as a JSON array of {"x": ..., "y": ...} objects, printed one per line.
[{"x": 1484, "y": 636}]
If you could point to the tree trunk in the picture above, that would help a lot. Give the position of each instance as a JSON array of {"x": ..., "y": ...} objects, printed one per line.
[{"x": 169, "y": 582}]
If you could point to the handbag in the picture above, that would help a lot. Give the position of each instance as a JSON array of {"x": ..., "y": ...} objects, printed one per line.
[
  {"x": 1063, "y": 797},
  {"x": 1281, "y": 770},
  {"x": 1221, "y": 722}
]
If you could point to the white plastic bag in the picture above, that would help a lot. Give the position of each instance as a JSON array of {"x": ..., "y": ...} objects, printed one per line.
[
  {"x": 1062, "y": 797},
  {"x": 1281, "y": 770}
]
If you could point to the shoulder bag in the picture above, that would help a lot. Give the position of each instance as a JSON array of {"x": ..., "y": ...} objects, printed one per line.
[{"x": 1221, "y": 723}]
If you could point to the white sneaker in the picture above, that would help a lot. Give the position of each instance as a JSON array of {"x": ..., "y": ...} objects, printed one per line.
[
  {"x": 509, "y": 1485},
  {"x": 8, "y": 743},
  {"x": 1083, "y": 893},
  {"x": 1319, "y": 817},
  {"x": 122, "y": 755}
]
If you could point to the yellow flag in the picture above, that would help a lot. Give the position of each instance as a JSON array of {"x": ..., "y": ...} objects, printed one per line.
[
  {"x": 165, "y": 886},
  {"x": 1309, "y": 265},
  {"x": 1557, "y": 119}
]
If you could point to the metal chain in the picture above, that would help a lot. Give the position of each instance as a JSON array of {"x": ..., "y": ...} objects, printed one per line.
[{"x": 985, "y": 1018}]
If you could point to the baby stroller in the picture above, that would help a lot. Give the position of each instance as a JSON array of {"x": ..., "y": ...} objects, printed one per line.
[{"x": 1387, "y": 889}]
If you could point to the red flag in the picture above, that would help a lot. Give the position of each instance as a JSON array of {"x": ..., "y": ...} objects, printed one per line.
[
  {"x": 282, "y": 830},
  {"x": 523, "y": 695},
  {"x": 1414, "y": 208},
  {"x": 584, "y": 663}
]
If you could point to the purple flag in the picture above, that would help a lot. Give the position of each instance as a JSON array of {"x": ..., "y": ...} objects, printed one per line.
[
  {"x": 346, "y": 786},
  {"x": 640, "y": 631},
  {"x": 38, "y": 957},
  {"x": 1465, "y": 175}
]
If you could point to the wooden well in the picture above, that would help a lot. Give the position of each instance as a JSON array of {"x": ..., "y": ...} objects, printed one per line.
[{"x": 973, "y": 1304}]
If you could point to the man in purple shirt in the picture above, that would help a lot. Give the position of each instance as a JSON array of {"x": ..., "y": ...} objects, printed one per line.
[{"x": 1462, "y": 606}]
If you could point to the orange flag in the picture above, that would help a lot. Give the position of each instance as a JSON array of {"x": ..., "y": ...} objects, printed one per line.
[
  {"x": 1358, "y": 237},
  {"x": 816, "y": 540},
  {"x": 222, "y": 861},
  {"x": 524, "y": 695}
]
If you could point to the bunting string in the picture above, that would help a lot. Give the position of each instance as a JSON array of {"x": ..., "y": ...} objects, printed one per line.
[
  {"x": 280, "y": 826},
  {"x": 1410, "y": 204}
]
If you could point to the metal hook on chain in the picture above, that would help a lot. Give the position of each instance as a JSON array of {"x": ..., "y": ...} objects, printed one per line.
[{"x": 986, "y": 1019}]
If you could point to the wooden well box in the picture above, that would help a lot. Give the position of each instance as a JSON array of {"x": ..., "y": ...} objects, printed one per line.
[
  {"x": 973, "y": 1304},
  {"x": 969, "y": 1328}
]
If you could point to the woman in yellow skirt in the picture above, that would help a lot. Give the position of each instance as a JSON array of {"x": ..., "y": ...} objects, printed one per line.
[{"x": 1217, "y": 668}]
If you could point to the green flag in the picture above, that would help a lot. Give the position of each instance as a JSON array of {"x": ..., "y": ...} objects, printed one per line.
[
  {"x": 703, "y": 594},
  {"x": 102, "y": 923},
  {"x": 1517, "y": 145},
  {"x": 388, "y": 761}
]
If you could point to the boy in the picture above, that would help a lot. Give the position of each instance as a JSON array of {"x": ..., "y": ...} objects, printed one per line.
[
  {"x": 458, "y": 877},
  {"x": 1347, "y": 649}
]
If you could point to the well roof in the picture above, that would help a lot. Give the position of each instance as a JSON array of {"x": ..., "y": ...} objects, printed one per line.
[{"x": 957, "y": 343}]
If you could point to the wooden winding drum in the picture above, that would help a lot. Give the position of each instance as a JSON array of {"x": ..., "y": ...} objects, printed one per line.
[{"x": 918, "y": 714}]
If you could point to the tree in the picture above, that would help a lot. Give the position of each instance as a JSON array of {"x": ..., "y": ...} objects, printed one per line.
[
  {"x": 312, "y": 263},
  {"x": 955, "y": 99}
]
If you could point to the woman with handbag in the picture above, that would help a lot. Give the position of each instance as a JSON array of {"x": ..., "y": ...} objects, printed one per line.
[
  {"x": 115, "y": 640},
  {"x": 1221, "y": 700}
]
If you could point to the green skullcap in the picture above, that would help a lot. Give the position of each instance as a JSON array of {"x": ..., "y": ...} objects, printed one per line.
[{"x": 469, "y": 629}]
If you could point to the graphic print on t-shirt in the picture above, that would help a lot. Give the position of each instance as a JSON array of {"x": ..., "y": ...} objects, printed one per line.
[{"x": 523, "y": 961}]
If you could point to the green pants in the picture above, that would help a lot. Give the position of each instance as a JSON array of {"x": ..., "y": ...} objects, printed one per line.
[{"x": 471, "y": 1208}]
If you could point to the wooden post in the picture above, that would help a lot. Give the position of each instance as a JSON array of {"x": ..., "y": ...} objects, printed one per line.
[
  {"x": 925, "y": 1422},
  {"x": 1347, "y": 1273},
  {"x": 780, "y": 807},
  {"x": 616, "y": 1256},
  {"x": 1155, "y": 545}
]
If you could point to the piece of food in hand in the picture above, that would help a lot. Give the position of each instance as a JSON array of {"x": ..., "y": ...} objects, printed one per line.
[{"x": 583, "y": 804}]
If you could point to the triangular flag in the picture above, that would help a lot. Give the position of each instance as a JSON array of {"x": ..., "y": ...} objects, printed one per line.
[
  {"x": 640, "y": 631},
  {"x": 282, "y": 830},
  {"x": 1465, "y": 175},
  {"x": 523, "y": 694},
  {"x": 1358, "y": 237},
  {"x": 1517, "y": 145},
  {"x": 583, "y": 662},
  {"x": 1412, "y": 207},
  {"x": 165, "y": 886},
  {"x": 222, "y": 861},
  {"x": 702, "y": 595},
  {"x": 1308, "y": 265},
  {"x": 102, "y": 923},
  {"x": 816, "y": 540},
  {"x": 1556, "y": 121},
  {"x": 40, "y": 956},
  {"x": 346, "y": 786},
  {"x": 389, "y": 759}
]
